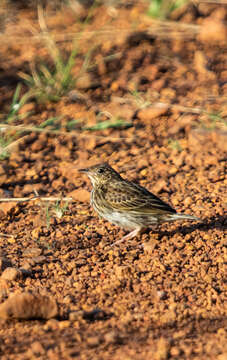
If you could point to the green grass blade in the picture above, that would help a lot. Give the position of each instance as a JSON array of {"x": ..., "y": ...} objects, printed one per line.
[{"x": 118, "y": 123}]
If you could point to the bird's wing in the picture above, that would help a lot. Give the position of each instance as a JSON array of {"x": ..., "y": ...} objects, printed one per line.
[{"x": 127, "y": 196}]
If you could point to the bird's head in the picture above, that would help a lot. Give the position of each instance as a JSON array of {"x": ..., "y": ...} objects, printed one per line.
[{"x": 101, "y": 174}]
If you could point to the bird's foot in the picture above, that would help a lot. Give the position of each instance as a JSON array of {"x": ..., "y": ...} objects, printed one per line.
[{"x": 131, "y": 235}]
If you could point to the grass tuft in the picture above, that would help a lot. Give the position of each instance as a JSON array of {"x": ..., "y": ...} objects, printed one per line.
[
  {"x": 50, "y": 83},
  {"x": 16, "y": 105},
  {"x": 162, "y": 8},
  {"x": 175, "y": 145},
  {"x": 4, "y": 142}
]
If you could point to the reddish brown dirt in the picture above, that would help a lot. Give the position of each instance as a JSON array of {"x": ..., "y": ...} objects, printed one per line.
[{"x": 163, "y": 295}]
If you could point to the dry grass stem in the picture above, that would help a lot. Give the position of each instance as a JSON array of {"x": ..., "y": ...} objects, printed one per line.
[
  {"x": 26, "y": 199},
  {"x": 64, "y": 133}
]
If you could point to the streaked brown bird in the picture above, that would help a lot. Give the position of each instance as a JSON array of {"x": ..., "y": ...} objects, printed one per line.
[{"x": 127, "y": 204}]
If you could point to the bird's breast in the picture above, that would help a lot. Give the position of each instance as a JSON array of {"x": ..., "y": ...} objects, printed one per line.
[{"x": 98, "y": 202}]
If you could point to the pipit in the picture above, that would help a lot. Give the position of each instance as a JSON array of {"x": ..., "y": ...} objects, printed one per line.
[{"x": 127, "y": 204}]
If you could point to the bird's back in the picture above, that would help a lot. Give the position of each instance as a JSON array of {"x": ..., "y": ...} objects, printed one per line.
[{"x": 127, "y": 196}]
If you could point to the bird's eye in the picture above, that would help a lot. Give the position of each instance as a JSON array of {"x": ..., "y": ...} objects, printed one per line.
[{"x": 100, "y": 171}]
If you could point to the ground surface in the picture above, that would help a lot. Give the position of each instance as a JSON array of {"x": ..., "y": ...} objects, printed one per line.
[{"x": 163, "y": 295}]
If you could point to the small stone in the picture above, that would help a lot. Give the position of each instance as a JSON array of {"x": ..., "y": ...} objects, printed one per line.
[
  {"x": 222, "y": 356},
  {"x": 111, "y": 337},
  {"x": 51, "y": 324},
  {"x": 3, "y": 175},
  {"x": 11, "y": 274},
  {"x": 67, "y": 299},
  {"x": 80, "y": 195},
  {"x": 64, "y": 324},
  {"x": 39, "y": 259},
  {"x": 29, "y": 306},
  {"x": 151, "y": 113},
  {"x": 27, "y": 108},
  {"x": 122, "y": 272},
  {"x": 93, "y": 341},
  {"x": 213, "y": 31},
  {"x": 149, "y": 246},
  {"x": 75, "y": 315},
  {"x": 162, "y": 352},
  {"x": 175, "y": 351},
  {"x": 32, "y": 252},
  {"x": 4, "y": 288},
  {"x": 5, "y": 207},
  {"x": 159, "y": 186},
  {"x": 187, "y": 201},
  {"x": 162, "y": 295},
  {"x": 26, "y": 266},
  {"x": 62, "y": 152},
  {"x": 37, "y": 348},
  {"x": 84, "y": 82},
  {"x": 173, "y": 170},
  {"x": 76, "y": 96}
]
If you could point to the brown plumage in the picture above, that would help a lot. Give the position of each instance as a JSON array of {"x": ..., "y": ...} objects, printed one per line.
[{"x": 127, "y": 204}]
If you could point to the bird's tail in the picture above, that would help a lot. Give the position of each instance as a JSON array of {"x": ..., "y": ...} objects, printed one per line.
[{"x": 183, "y": 216}]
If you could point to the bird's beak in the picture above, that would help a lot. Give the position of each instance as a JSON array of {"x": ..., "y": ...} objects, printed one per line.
[{"x": 85, "y": 171}]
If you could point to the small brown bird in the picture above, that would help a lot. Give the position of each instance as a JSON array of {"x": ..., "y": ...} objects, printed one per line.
[{"x": 127, "y": 204}]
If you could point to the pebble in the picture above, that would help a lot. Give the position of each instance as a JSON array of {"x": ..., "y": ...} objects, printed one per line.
[
  {"x": 32, "y": 252},
  {"x": 29, "y": 306},
  {"x": 93, "y": 341},
  {"x": 11, "y": 274}
]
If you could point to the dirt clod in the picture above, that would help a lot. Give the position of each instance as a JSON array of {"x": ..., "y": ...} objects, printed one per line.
[
  {"x": 29, "y": 306},
  {"x": 11, "y": 274}
]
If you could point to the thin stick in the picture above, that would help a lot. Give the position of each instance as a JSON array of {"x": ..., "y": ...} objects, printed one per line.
[
  {"x": 65, "y": 133},
  {"x": 25, "y": 199},
  {"x": 216, "y": 2},
  {"x": 156, "y": 25},
  {"x": 5, "y": 235}
]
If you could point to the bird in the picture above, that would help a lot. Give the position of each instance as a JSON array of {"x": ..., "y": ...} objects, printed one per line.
[{"x": 127, "y": 204}]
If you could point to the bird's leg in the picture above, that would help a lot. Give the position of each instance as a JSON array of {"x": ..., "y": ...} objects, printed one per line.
[{"x": 128, "y": 236}]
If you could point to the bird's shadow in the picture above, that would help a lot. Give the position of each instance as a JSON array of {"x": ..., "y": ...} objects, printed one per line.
[{"x": 214, "y": 222}]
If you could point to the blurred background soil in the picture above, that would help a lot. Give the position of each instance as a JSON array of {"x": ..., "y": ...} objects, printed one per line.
[{"x": 148, "y": 95}]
